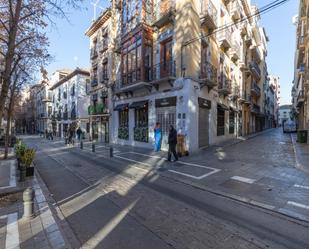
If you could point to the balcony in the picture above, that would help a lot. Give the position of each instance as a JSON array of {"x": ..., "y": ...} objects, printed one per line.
[
  {"x": 209, "y": 14},
  {"x": 225, "y": 85},
  {"x": 248, "y": 39},
  {"x": 47, "y": 99},
  {"x": 255, "y": 89},
  {"x": 256, "y": 54},
  {"x": 65, "y": 116},
  {"x": 225, "y": 38},
  {"x": 300, "y": 98},
  {"x": 301, "y": 69},
  {"x": 163, "y": 72},
  {"x": 255, "y": 69},
  {"x": 209, "y": 75},
  {"x": 104, "y": 45},
  {"x": 164, "y": 12},
  {"x": 236, "y": 10},
  {"x": 235, "y": 92},
  {"x": 93, "y": 53},
  {"x": 244, "y": 28},
  {"x": 73, "y": 114},
  {"x": 256, "y": 109},
  {"x": 235, "y": 51},
  {"x": 94, "y": 82},
  {"x": 104, "y": 77},
  {"x": 97, "y": 109},
  {"x": 245, "y": 98}
]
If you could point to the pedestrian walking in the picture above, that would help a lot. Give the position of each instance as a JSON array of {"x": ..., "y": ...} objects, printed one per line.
[
  {"x": 172, "y": 142},
  {"x": 71, "y": 136},
  {"x": 157, "y": 136},
  {"x": 79, "y": 133}
]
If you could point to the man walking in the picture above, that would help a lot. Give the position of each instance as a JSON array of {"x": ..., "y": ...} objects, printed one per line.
[{"x": 172, "y": 142}]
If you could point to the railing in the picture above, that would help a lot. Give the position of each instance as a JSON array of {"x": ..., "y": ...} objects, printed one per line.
[
  {"x": 73, "y": 114},
  {"x": 158, "y": 72},
  {"x": 255, "y": 108},
  {"x": 164, "y": 7},
  {"x": 236, "y": 91},
  {"x": 255, "y": 88},
  {"x": 209, "y": 9},
  {"x": 225, "y": 84},
  {"x": 93, "y": 53},
  {"x": 65, "y": 116},
  {"x": 97, "y": 109},
  {"x": 235, "y": 7},
  {"x": 225, "y": 35},
  {"x": 209, "y": 72},
  {"x": 104, "y": 44},
  {"x": 94, "y": 82},
  {"x": 236, "y": 48},
  {"x": 162, "y": 70},
  {"x": 255, "y": 67},
  {"x": 300, "y": 96}
]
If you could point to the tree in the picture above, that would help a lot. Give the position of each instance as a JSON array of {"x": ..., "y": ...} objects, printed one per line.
[{"x": 22, "y": 25}]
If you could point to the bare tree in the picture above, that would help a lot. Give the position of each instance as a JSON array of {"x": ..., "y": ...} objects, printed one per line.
[{"x": 22, "y": 25}]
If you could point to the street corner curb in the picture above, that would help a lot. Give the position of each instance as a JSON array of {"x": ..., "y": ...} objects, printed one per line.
[{"x": 68, "y": 235}]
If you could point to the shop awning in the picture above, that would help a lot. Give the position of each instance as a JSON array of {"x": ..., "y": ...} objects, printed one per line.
[
  {"x": 224, "y": 107},
  {"x": 121, "y": 107},
  {"x": 139, "y": 105}
]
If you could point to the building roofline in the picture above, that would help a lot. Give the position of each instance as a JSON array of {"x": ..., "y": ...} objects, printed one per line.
[
  {"x": 99, "y": 22},
  {"x": 69, "y": 76}
]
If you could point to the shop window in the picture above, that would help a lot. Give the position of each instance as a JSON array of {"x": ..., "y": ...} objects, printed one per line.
[
  {"x": 220, "y": 121},
  {"x": 124, "y": 118},
  {"x": 141, "y": 117},
  {"x": 231, "y": 122}
]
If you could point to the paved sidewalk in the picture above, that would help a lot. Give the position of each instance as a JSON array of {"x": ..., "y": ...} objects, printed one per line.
[
  {"x": 17, "y": 232},
  {"x": 301, "y": 153}
]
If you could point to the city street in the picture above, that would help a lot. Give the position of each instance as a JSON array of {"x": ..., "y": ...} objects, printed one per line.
[{"x": 248, "y": 194}]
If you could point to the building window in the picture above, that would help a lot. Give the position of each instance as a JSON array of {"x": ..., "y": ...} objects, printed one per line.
[
  {"x": 104, "y": 71},
  {"x": 141, "y": 117},
  {"x": 231, "y": 122},
  {"x": 73, "y": 90},
  {"x": 64, "y": 95},
  {"x": 124, "y": 118},
  {"x": 220, "y": 121}
]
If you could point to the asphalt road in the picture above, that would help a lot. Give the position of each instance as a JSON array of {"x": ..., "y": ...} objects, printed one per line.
[{"x": 116, "y": 204}]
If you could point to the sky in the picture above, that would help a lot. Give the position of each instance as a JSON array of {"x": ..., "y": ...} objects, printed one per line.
[{"x": 70, "y": 47}]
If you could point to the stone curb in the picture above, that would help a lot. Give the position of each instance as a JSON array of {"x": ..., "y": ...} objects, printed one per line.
[{"x": 68, "y": 235}]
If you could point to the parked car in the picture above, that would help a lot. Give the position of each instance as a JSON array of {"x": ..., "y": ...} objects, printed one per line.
[{"x": 289, "y": 126}]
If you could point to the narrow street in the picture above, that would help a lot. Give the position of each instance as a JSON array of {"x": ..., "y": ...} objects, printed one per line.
[{"x": 223, "y": 197}]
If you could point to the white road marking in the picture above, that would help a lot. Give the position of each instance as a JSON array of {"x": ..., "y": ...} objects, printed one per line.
[
  {"x": 12, "y": 234},
  {"x": 301, "y": 186},
  {"x": 213, "y": 170},
  {"x": 296, "y": 204},
  {"x": 12, "y": 182},
  {"x": 243, "y": 179}
]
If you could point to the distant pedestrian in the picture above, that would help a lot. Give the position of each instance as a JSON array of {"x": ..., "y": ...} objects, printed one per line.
[
  {"x": 157, "y": 137},
  {"x": 79, "y": 133},
  {"x": 71, "y": 136},
  {"x": 172, "y": 142}
]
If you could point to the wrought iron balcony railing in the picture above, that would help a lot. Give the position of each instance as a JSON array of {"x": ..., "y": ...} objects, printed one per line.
[
  {"x": 209, "y": 74},
  {"x": 164, "y": 12},
  {"x": 236, "y": 10},
  {"x": 209, "y": 14},
  {"x": 225, "y": 38},
  {"x": 255, "y": 89},
  {"x": 94, "y": 82},
  {"x": 225, "y": 85},
  {"x": 97, "y": 109},
  {"x": 255, "y": 69}
]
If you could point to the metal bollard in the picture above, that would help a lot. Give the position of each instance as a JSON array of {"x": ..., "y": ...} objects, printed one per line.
[
  {"x": 111, "y": 152},
  {"x": 93, "y": 147},
  {"x": 28, "y": 197},
  {"x": 81, "y": 145},
  {"x": 22, "y": 173}
]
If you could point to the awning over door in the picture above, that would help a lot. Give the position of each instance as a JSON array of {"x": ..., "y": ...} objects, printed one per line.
[
  {"x": 139, "y": 105},
  {"x": 121, "y": 107}
]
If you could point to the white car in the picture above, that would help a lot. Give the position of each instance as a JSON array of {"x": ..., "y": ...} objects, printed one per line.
[{"x": 289, "y": 126}]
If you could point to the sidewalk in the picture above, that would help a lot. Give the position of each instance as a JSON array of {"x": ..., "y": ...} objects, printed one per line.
[
  {"x": 301, "y": 153},
  {"x": 17, "y": 232}
]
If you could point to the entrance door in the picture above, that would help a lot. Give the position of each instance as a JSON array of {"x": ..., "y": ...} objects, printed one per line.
[
  {"x": 95, "y": 131},
  {"x": 203, "y": 127},
  {"x": 166, "y": 56},
  {"x": 166, "y": 116},
  {"x": 104, "y": 132}
]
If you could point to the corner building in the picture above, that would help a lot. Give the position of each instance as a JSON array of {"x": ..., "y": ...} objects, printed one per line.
[{"x": 173, "y": 66}]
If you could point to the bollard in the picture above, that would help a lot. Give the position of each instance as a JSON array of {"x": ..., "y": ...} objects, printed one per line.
[
  {"x": 81, "y": 145},
  {"x": 28, "y": 197},
  {"x": 93, "y": 147},
  {"x": 111, "y": 152},
  {"x": 22, "y": 173}
]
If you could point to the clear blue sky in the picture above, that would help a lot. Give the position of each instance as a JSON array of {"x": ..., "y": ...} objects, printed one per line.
[{"x": 70, "y": 46}]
